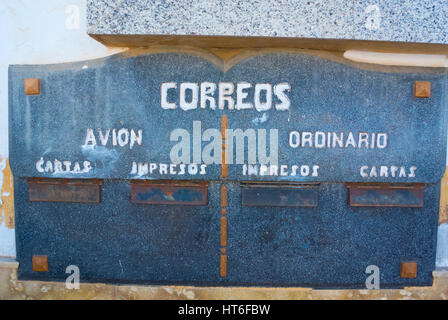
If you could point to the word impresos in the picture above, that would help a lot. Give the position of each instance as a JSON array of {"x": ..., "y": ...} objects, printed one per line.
[
  {"x": 190, "y": 96},
  {"x": 320, "y": 139},
  {"x": 145, "y": 168},
  {"x": 282, "y": 170}
]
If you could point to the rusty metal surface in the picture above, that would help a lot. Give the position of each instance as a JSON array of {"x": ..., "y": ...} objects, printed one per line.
[
  {"x": 65, "y": 190},
  {"x": 386, "y": 195},
  {"x": 40, "y": 263},
  {"x": 408, "y": 269},
  {"x": 272, "y": 195},
  {"x": 31, "y": 86},
  {"x": 422, "y": 89},
  {"x": 171, "y": 193}
]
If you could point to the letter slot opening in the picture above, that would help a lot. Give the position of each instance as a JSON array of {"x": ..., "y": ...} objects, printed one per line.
[
  {"x": 64, "y": 190},
  {"x": 279, "y": 195},
  {"x": 169, "y": 192},
  {"x": 386, "y": 195}
]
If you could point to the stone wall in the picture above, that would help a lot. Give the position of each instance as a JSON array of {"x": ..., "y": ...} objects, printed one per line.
[{"x": 13, "y": 289}]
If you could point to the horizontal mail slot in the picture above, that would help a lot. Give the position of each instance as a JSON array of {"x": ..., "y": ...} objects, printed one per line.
[
  {"x": 171, "y": 193},
  {"x": 272, "y": 195},
  {"x": 381, "y": 195},
  {"x": 64, "y": 190}
]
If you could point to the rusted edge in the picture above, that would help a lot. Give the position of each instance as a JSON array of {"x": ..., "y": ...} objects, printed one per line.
[
  {"x": 167, "y": 190},
  {"x": 39, "y": 190},
  {"x": 65, "y": 181},
  {"x": 181, "y": 183}
]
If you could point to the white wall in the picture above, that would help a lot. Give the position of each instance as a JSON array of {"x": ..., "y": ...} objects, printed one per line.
[{"x": 38, "y": 32}]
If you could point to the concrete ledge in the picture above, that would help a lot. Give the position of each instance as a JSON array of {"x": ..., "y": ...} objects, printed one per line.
[
  {"x": 418, "y": 21},
  {"x": 133, "y": 40},
  {"x": 8, "y": 263},
  {"x": 440, "y": 273},
  {"x": 11, "y": 288}
]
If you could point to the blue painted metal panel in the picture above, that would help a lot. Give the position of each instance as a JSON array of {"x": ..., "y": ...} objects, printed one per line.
[
  {"x": 119, "y": 241},
  {"x": 334, "y": 132},
  {"x": 328, "y": 246},
  {"x": 328, "y": 100}
]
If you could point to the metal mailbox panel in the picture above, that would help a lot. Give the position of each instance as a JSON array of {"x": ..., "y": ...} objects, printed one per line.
[
  {"x": 336, "y": 120},
  {"x": 328, "y": 246},
  {"x": 169, "y": 193},
  {"x": 64, "y": 190},
  {"x": 331, "y": 245},
  {"x": 279, "y": 196},
  {"x": 118, "y": 241},
  {"x": 386, "y": 196},
  {"x": 320, "y": 119}
]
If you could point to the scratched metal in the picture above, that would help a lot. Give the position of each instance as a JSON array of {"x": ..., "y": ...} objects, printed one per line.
[
  {"x": 64, "y": 190},
  {"x": 279, "y": 196},
  {"x": 386, "y": 196},
  {"x": 168, "y": 194}
]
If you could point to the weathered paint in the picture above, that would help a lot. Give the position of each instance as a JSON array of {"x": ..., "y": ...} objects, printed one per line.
[
  {"x": 23, "y": 23},
  {"x": 367, "y": 150},
  {"x": 385, "y": 195},
  {"x": 443, "y": 210},
  {"x": 442, "y": 232},
  {"x": 169, "y": 193},
  {"x": 64, "y": 190},
  {"x": 7, "y": 235},
  {"x": 7, "y": 194}
]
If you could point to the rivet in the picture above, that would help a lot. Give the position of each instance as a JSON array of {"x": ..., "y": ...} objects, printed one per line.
[
  {"x": 422, "y": 89},
  {"x": 40, "y": 263},
  {"x": 408, "y": 270},
  {"x": 31, "y": 86}
]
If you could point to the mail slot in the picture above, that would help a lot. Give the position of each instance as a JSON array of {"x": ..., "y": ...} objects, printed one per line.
[
  {"x": 285, "y": 169},
  {"x": 279, "y": 195},
  {"x": 64, "y": 190},
  {"x": 178, "y": 193},
  {"x": 384, "y": 195}
]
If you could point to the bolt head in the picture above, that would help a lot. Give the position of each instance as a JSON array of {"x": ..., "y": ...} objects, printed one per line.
[
  {"x": 31, "y": 86},
  {"x": 408, "y": 270},
  {"x": 40, "y": 263},
  {"x": 422, "y": 89}
]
